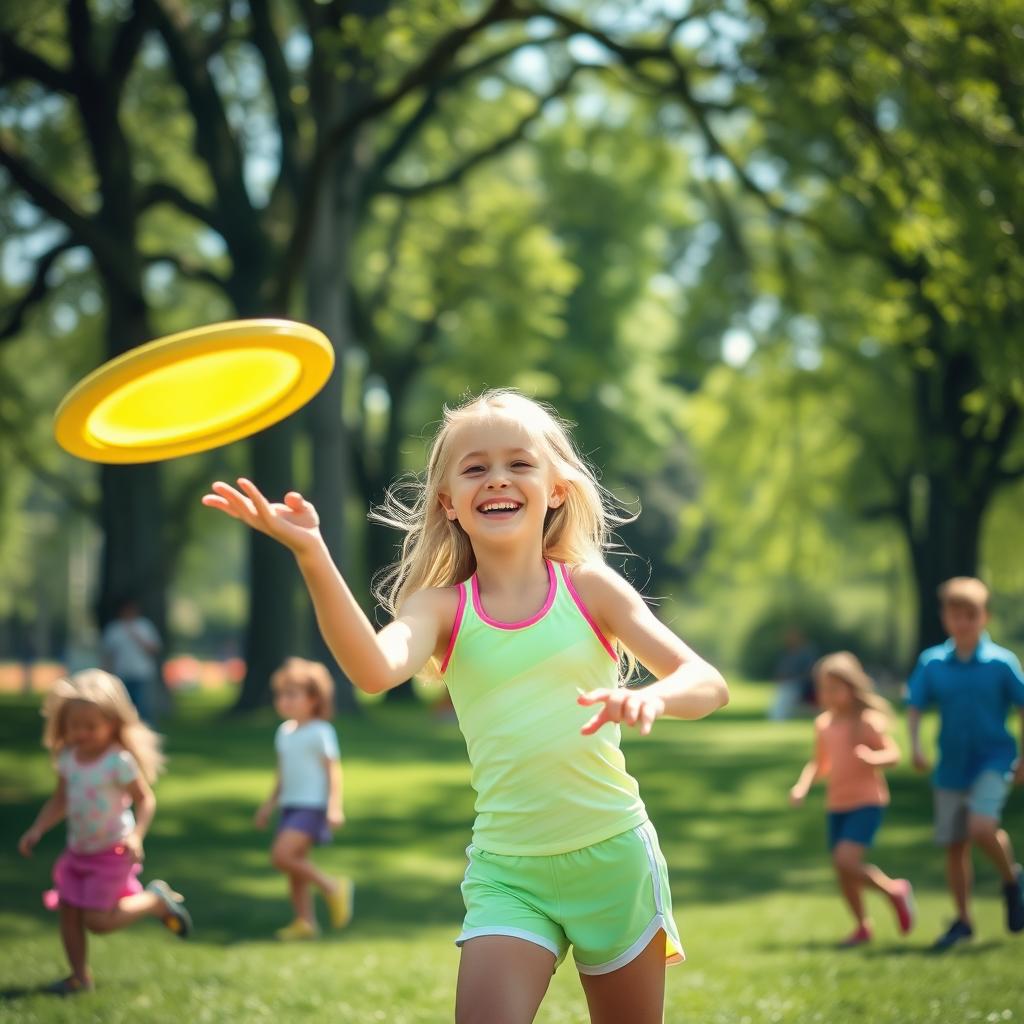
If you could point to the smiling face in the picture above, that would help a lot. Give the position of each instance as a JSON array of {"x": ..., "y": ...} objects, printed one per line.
[
  {"x": 87, "y": 730},
  {"x": 499, "y": 483}
]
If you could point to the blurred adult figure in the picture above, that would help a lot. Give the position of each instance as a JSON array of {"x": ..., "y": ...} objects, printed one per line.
[
  {"x": 792, "y": 674},
  {"x": 130, "y": 647}
]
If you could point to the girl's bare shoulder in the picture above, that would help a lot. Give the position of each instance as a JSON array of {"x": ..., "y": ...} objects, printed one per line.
[{"x": 438, "y": 603}]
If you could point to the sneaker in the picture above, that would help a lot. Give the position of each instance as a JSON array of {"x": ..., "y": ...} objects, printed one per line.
[
  {"x": 958, "y": 931},
  {"x": 1014, "y": 897},
  {"x": 903, "y": 903},
  {"x": 858, "y": 938},
  {"x": 339, "y": 903},
  {"x": 299, "y": 930},
  {"x": 175, "y": 918},
  {"x": 70, "y": 986}
]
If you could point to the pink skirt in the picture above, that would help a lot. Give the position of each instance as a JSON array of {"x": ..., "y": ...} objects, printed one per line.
[{"x": 93, "y": 881}]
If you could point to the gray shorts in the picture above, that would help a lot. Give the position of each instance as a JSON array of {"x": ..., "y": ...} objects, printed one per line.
[{"x": 986, "y": 798}]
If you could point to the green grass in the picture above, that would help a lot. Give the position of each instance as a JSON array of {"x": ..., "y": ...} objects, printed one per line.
[{"x": 753, "y": 892}]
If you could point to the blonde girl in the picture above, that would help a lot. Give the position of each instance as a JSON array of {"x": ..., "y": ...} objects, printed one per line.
[
  {"x": 105, "y": 759},
  {"x": 502, "y": 585},
  {"x": 852, "y": 746},
  {"x": 308, "y": 792}
]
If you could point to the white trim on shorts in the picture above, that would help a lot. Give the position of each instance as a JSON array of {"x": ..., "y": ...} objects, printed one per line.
[
  {"x": 515, "y": 933},
  {"x": 658, "y": 922}
]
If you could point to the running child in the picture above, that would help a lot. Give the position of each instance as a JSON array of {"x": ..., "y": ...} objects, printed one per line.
[
  {"x": 502, "y": 584},
  {"x": 973, "y": 683},
  {"x": 105, "y": 759},
  {"x": 851, "y": 748},
  {"x": 308, "y": 789}
]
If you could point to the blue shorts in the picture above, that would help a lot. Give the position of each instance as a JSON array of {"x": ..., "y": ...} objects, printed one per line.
[
  {"x": 310, "y": 820},
  {"x": 856, "y": 826}
]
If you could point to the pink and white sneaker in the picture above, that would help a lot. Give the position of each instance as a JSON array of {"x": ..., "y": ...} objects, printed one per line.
[
  {"x": 903, "y": 903},
  {"x": 858, "y": 938}
]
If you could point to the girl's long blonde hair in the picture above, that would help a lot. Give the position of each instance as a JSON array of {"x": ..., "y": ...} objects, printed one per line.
[
  {"x": 436, "y": 551},
  {"x": 107, "y": 693},
  {"x": 847, "y": 667}
]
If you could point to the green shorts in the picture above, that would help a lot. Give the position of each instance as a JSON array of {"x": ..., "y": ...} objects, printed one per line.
[{"x": 607, "y": 900}]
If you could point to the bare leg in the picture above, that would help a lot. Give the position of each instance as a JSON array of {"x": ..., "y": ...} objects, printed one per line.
[
  {"x": 129, "y": 909},
  {"x": 302, "y": 899},
  {"x": 502, "y": 980},
  {"x": 847, "y": 858},
  {"x": 288, "y": 854},
  {"x": 72, "y": 933},
  {"x": 995, "y": 844},
  {"x": 874, "y": 876},
  {"x": 634, "y": 993},
  {"x": 958, "y": 874}
]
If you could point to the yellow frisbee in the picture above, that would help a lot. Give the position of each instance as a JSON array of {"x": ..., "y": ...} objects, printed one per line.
[{"x": 193, "y": 391}]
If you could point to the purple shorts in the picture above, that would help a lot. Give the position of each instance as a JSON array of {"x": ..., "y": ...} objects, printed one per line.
[
  {"x": 310, "y": 820},
  {"x": 93, "y": 881}
]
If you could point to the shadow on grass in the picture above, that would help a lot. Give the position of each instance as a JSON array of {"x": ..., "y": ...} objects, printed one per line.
[{"x": 715, "y": 789}]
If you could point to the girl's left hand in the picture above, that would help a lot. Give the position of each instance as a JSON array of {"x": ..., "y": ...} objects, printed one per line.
[
  {"x": 335, "y": 817},
  {"x": 133, "y": 844},
  {"x": 629, "y": 707},
  {"x": 865, "y": 753}
]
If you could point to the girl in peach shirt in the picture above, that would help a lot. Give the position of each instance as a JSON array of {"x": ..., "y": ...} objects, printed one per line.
[{"x": 852, "y": 747}]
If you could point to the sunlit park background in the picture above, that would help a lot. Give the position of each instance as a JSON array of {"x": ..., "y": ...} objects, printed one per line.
[{"x": 767, "y": 254}]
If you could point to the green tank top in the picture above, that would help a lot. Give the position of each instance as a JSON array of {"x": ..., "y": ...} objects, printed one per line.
[{"x": 542, "y": 787}]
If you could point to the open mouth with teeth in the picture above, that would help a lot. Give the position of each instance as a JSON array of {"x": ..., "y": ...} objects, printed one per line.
[{"x": 499, "y": 508}]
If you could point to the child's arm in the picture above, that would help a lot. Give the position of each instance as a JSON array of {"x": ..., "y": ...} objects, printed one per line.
[
  {"x": 881, "y": 751},
  {"x": 262, "y": 815},
  {"x": 374, "y": 661},
  {"x": 687, "y": 687},
  {"x": 335, "y": 792},
  {"x": 803, "y": 784},
  {"x": 144, "y": 806},
  {"x": 917, "y": 755},
  {"x": 815, "y": 768},
  {"x": 50, "y": 814},
  {"x": 1018, "y": 775}
]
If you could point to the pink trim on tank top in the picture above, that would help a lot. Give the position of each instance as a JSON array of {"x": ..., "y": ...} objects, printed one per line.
[
  {"x": 459, "y": 612},
  {"x": 586, "y": 614},
  {"x": 552, "y": 590}
]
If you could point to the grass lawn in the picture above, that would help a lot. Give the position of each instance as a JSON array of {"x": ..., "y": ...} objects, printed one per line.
[{"x": 751, "y": 883}]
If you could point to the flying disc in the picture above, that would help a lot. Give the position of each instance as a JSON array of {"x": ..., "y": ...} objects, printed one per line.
[{"x": 192, "y": 391}]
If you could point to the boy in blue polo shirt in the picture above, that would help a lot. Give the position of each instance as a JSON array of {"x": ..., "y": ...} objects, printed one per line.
[{"x": 973, "y": 682}]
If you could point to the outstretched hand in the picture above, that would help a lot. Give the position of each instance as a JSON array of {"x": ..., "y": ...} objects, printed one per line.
[
  {"x": 629, "y": 707},
  {"x": 294, "y": 522}
]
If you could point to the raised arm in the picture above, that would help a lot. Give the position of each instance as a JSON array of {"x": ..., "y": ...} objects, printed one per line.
[
  {"x": 374, "y": 661},
  {"x": 687, "y": 686}
]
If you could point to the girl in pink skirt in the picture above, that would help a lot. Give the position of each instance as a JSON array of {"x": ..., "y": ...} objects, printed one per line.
[{"x": 105, "y": 758}]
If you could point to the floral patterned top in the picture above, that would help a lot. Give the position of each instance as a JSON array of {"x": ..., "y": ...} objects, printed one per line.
[{"x": 98, "y": 805}]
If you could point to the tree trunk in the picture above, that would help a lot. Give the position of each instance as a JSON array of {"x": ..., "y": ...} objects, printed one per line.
[
  {"x": 270, "y": 633},
  {"x": 328, "y": 309},
  {"x": 130, "y": 505},
  {"x": 944, "y": 542}
]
